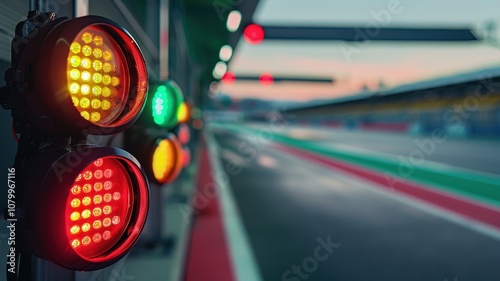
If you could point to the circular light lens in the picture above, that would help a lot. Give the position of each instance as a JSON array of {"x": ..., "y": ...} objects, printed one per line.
[
  {"x": 97, "y": 69},
  {"x": 166, "y": 161},
  {"x": 104, "y": 178},
  {"x": 163, "y": 160},
  {"x": 165, "y": 104}
]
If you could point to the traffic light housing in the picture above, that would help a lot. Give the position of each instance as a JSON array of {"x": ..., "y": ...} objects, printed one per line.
[
  {"x": 163, "y": 106},
  {"x": 80, "y": 206},
  {"x": 154, "y": 140},
  {"x": 160, "y": 153}
]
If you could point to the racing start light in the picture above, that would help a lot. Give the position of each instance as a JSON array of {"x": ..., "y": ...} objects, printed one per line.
[
  {"x": 88, "y": 74},
  {"x": 165, "y": 104},
  {"x": 82, "y": 206},
  {"x": 85, "y": 216}
]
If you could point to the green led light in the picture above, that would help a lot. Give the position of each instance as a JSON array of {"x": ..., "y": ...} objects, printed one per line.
[{"x": 165, "y": 104}]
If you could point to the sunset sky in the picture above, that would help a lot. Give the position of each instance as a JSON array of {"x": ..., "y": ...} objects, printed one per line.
[{"x": 391, "y": 62}]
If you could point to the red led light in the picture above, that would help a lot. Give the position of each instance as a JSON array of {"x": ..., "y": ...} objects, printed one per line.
[
  {"x": 266, "y": 79},
  {"x": 97, "y": 80},
  {"x": 253, "y": 34},
  {"x": 97, "y": 210},
  {"x": 228, "y": 78},
  {"x": 90, "y": 215}
]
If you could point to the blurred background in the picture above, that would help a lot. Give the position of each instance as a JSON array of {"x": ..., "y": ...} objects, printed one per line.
[{"x": 329, "y": 139}]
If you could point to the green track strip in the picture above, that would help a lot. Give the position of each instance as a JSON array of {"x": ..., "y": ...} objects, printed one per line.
[{"x": 477, "y": 186}]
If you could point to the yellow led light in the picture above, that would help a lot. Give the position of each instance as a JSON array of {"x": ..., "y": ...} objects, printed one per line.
[
  {"x": 86, "y": 240},
  {"x": 106, "y": 92},
  {"x": 97, "y": 53},
  {"x": 85, "y": 89},
  {"x": 105, "y": 105},
  {"x": 74, "y": 216},
  {"x": 95, "y": 116},
  {"x": 75, "y": 243},
  {"x": 86, "y": 201},
  {"x": 97, "y": 224},
  {"x": 75, "y": 101},
  {"x": 115, "y": 81},
  {"x": 85, "y": 63},
  {"x": 86, "y": 50},
  {"x": 85, "y": 115},
  {"x": 107, "y": 55},
  {"x": 163, "y": 164},
  {"x": 96, "y": 103},
  {"x": 97, "y": 65},
  {"x": 86, "y": 76},
  {"x": 97, "y": 78},
  {"x": 98, "y": 40},
  {"x": 74, "y": 88},
  {"x": 84, "y": 103},
  {"x": 74, "y": 74},
  {"x": 96, "y": 90},
  {"x": 86, "y": 227},
  {"x": 75, "y": 203},
  {"x": 97, "y": 199},
  {"x": 107, "y": 67},
  {"x": 75, "y": 47},
  {"x": 75, "y": 61},
  {"x": 74, "y": 229},
  {"x": 87, "y": 37},
  {"x": 106, "y": 79},
  {"x": 86, "y": 214}
]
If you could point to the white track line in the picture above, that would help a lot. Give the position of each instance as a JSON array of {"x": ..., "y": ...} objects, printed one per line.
[{"x": 244, "y": 263}]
